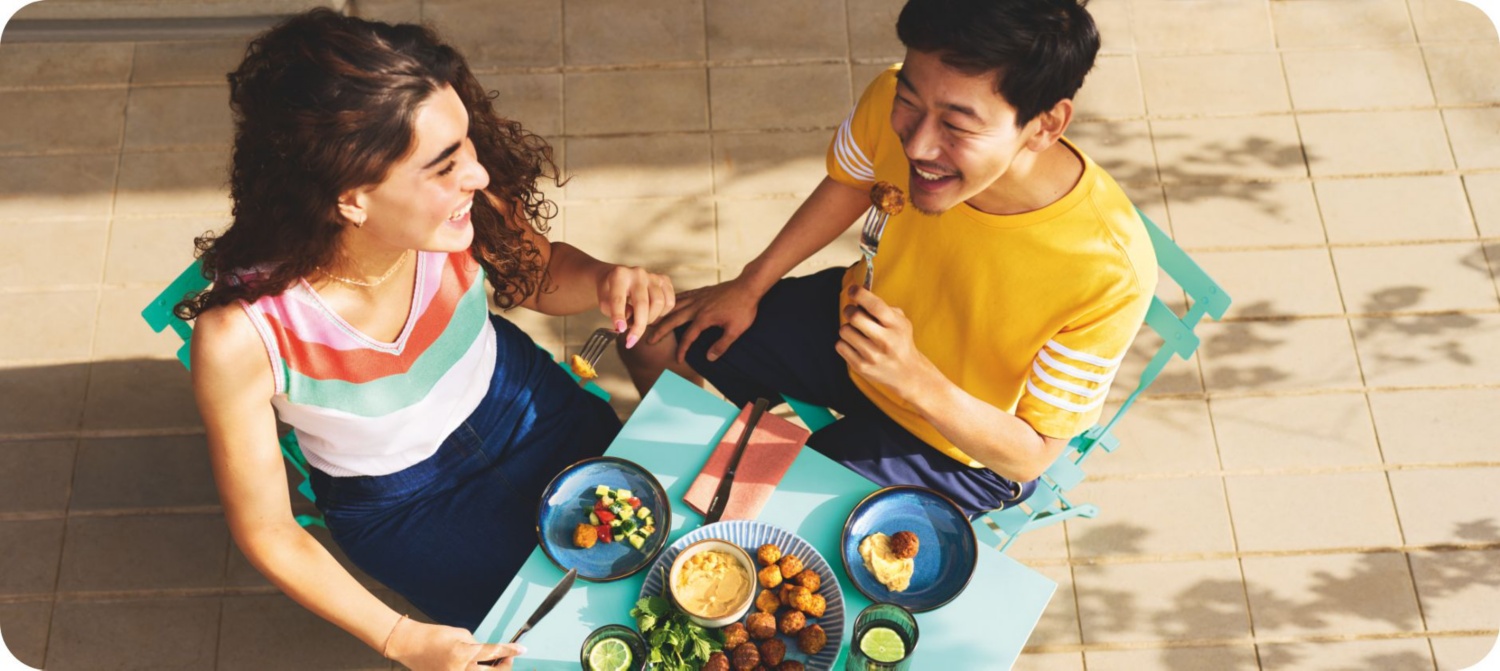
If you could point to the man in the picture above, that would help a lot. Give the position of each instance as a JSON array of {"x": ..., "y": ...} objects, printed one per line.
[{"x": 1004, "y": 296}]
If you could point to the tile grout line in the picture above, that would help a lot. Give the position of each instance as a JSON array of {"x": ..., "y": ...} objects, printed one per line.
[
  {"x": 713, "y": 165},
  {"x": 1411, "y": 571},
  {"x": 1184, "y": 557},
  {"x": 93, "y": 346},
  {"x": 1178, "y": 644},
  {"x": 1322, "y": 226},
  {"x": 562, "y": 132}
]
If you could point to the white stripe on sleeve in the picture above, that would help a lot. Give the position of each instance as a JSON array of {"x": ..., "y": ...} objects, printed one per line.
[
  {"x": 1064, "y": 404},
  {"x": 1065, "y": 385},
  {"x": 850, "y": 157},
  {"x": 1084, "y": 356},
  {"x": 1075, "y": 371}
]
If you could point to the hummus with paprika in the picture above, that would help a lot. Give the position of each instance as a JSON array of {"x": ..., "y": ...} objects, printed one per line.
[{"x": 711, "y": 584}]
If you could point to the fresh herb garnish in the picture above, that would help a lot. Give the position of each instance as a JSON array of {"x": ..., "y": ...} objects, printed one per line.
[{"x": 677, "y": 643}]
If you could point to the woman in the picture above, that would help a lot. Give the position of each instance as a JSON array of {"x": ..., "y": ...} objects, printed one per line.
[{"x": 375, "y": 190}]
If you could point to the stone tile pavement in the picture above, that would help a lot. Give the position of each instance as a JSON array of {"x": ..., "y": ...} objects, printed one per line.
[{"x": 1317, "y": 489}]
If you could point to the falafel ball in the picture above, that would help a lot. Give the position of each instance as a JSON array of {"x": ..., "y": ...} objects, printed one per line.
[
  {"x": 770, "y": 577},
  {"x": 717, "y": 661},
  {"x": 746, "y": 657},
  {"x": 768, "y": 554},
  {"x": 815, "y": 605},
  {"x": 585, "y": 535},
  {"x": 785, "y": 594},
  {"x": 772, "y": 651},
  {"x": 734, "y": 635},
  {"x": 790, "y": 566},
  {"x": 767, "y": 601},
  {"x": 791, "y": 665},
  {"x": 761, "y": 625},
  {"x": 810, "y": 579},
  {"x": 905, "y": 544},
  {"x": 812, "y": 639},
  {"x": 800, "y": 598},
  {"x": 791, "y": 622}
]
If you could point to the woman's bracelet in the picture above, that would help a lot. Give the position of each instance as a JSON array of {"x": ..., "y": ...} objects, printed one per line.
[{"x": 387, "y": 646}]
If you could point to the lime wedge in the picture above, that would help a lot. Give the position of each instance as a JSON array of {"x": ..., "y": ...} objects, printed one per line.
[
  {"x": 883, "y": 644},
  {"x": 610, "y": 654}
]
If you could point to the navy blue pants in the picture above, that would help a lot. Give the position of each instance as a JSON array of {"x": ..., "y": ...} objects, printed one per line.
[
  {"x": 789, "y": 350},
  {"x": 450, "y": 532}
]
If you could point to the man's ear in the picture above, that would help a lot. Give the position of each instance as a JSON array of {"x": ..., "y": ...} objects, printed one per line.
[
  {"x": 352, "y": 207},
  {"x": 1051, "y": 124}
]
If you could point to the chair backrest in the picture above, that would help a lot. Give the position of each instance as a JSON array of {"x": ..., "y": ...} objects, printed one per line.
[
  {"x": 1205, "y": 299},
  {"x": 158, "y": 312}
]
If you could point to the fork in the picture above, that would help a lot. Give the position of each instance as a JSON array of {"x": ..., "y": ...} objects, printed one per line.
[
  {"x": 594, "y": 347},
  {"x": 869, "y": 241}
]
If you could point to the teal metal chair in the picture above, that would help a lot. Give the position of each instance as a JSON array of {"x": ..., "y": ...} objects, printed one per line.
[
  {"x": 1048, "y": 504},
  {"x": 158, "y": 314}
]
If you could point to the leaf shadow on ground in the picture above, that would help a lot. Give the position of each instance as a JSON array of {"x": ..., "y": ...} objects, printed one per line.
[{"x": 1217, "y": 609}]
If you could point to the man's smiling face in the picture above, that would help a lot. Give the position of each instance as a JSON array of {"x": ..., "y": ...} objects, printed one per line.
[{"x": 959, "y": 135}]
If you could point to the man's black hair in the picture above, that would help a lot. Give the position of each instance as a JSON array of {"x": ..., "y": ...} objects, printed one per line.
[{"x": 1038, "y": 50}]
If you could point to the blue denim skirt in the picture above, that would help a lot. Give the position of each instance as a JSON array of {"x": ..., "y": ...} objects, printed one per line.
[{"x": 450, "y": 532}]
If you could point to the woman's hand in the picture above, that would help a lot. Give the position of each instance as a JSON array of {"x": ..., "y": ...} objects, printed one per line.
[
  {"x": 433, "y": 647},
  {"x": 633, "y": 299}
]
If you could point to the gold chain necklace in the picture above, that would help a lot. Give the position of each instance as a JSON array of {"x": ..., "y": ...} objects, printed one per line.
[{"x": 374, "y": 283}]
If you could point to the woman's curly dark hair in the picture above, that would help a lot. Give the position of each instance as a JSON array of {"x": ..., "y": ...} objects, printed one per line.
[{"x": 325, "y": 103}]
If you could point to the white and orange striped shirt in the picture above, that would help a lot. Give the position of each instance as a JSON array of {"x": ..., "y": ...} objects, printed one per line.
[
  {"x": 365, "y": 407},
  {"x": 1031, "y": 313}
]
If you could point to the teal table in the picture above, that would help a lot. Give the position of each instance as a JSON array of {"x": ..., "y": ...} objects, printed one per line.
[{"x": 670, "y": 435}]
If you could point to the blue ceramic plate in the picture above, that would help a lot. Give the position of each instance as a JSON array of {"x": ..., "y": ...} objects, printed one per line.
[
  {"x": 947, "y": 550},
  {"x": 566, "y": 502},
  {"x": 750, "y": 535}
]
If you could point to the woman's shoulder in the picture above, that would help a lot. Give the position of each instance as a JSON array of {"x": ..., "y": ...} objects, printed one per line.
[{"x": 224, "y": 338}]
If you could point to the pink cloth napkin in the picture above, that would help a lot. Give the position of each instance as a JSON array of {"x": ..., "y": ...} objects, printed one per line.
[{"x": 771, "y": 450}]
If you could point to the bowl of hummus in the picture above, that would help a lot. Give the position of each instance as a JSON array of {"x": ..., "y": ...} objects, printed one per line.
[{"x": 713, "y": 582}]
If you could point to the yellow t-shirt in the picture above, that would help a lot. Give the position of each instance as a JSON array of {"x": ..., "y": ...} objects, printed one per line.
[{"x": 1031, "y": 313}]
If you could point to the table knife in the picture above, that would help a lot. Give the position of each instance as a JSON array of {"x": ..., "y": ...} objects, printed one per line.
[
  {"x": 541, "y": 611},
  {"x": 720, "y": 500}
]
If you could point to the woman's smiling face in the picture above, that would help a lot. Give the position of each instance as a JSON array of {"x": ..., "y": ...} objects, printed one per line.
[{"x": 424, "y": 201}]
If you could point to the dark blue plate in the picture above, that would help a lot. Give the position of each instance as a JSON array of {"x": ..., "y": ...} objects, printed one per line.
[
  {"x": 563, "y": 507},
  {"x": 946, "y": 554}
]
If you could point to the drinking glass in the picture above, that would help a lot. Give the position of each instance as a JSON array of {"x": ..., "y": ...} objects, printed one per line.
[{"x": 889, "y": 624}]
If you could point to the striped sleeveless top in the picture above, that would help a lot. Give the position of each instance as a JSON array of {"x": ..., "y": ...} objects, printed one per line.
[{"x": 363, "y": 407}]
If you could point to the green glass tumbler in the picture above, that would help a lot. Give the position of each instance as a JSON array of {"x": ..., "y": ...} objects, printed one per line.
[
  {"x": 632, "y": 641},
  {"x": 885, "y": 635}
]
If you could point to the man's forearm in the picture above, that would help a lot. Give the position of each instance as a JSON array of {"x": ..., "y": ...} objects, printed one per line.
[
  {"x": 829, "y": 211},
  {"x": 999, "y": 440}
]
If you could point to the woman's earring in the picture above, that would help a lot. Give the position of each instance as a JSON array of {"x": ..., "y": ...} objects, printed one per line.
[{"x": 358, "y": 223}]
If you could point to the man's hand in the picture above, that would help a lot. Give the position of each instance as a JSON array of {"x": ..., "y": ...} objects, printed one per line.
[
  {"x": 633, "y": 295},
  {"x": 729, "y": 305},
  {"x": 423, "y": 647},
  {"x": 876, "y": 340}
]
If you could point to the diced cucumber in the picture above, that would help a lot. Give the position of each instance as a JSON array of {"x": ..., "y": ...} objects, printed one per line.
[
  {"x": 601, "y": 490},
  {"x": 607, "y": 500},
  {"x": 627, "y": 526},
  {"x": 643, "y": 512},
  {"x": 593, "y": 519},
  {"x": 615, "y": 522},
  {"x": 637, "y": 541},
  {"x": 623, "y": 494}
]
